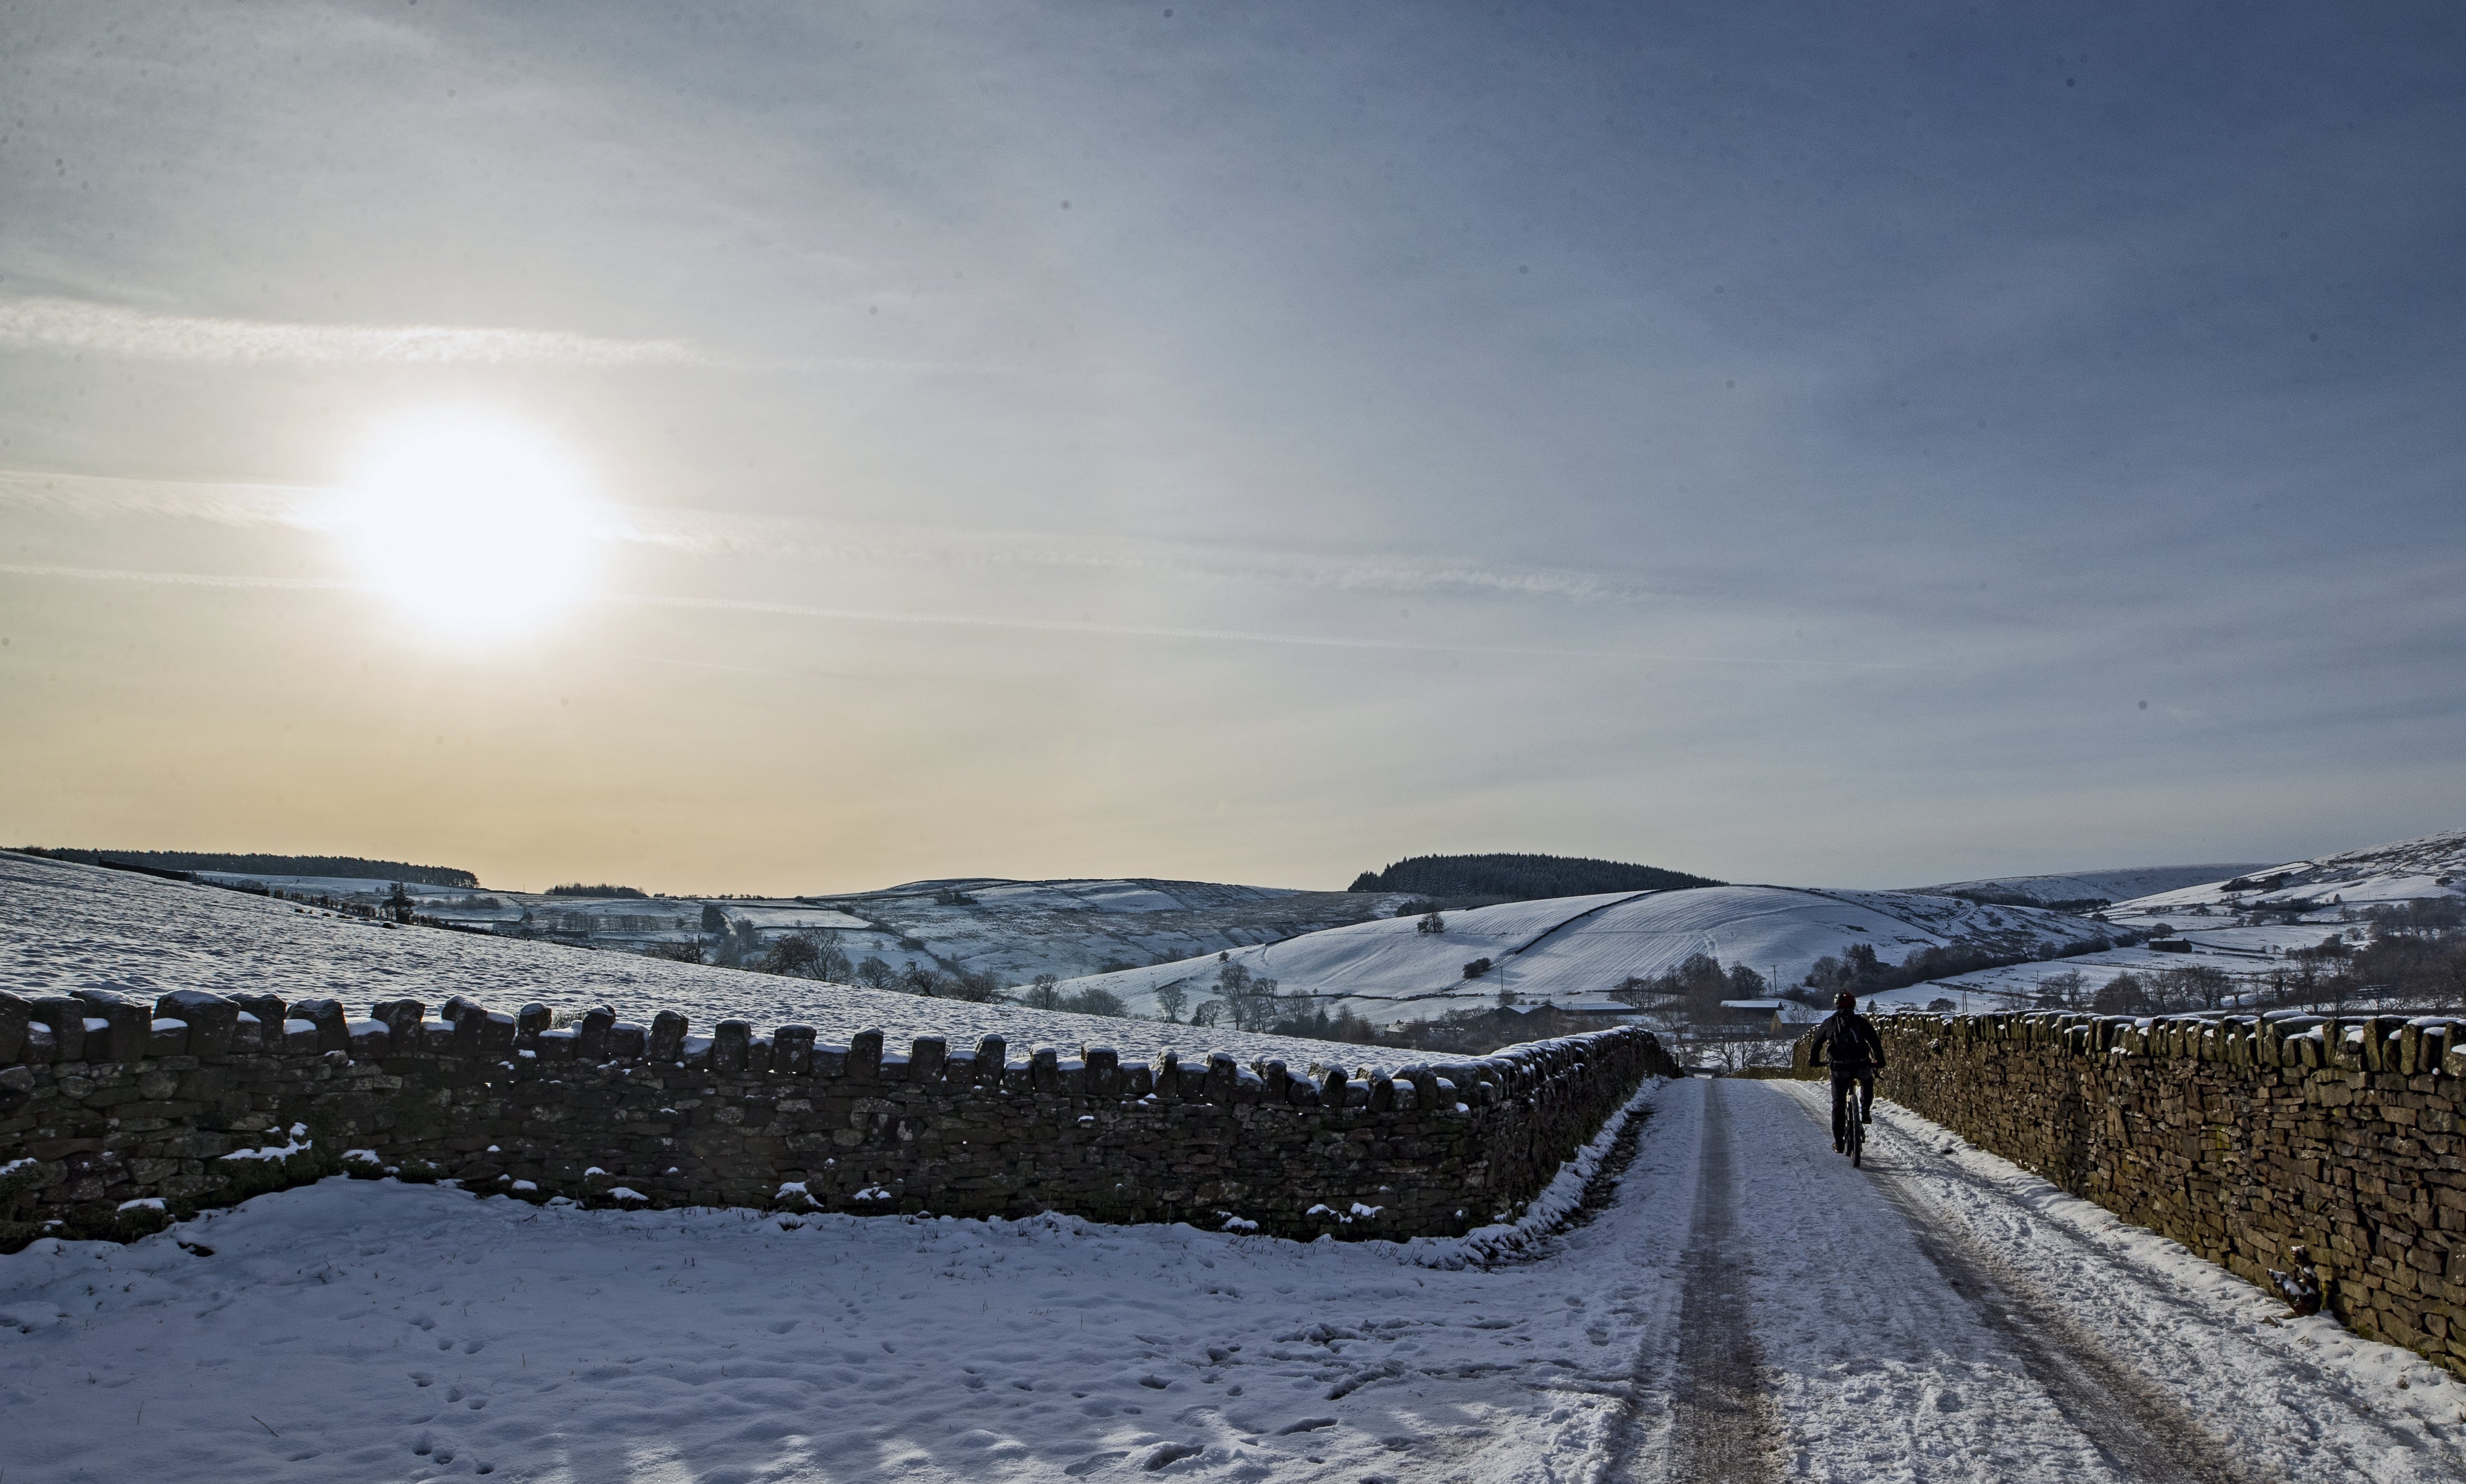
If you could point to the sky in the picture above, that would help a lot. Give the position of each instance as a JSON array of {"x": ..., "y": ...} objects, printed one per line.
[{"x": 798, "y": 449}]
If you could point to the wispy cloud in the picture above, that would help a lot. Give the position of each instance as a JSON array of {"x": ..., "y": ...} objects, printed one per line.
[
  {"x": 51, "y": 323},
  {"x": 722, "y": 533},
  {"x": 715, "y": 532},
  {"x": 1230, "y": 635},
  {"x": 183, "y": 579},
  {"x": 993, "y": 621},
  {"x": 305, "y": 506}
]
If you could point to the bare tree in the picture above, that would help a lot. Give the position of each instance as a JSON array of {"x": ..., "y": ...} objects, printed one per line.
[
  {"x": 1094, "y": 999},
  {"x": 1170, "y": 999},
  {"x": 806, "y": 954}
]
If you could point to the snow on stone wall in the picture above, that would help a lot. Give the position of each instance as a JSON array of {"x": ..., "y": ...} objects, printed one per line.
[
  {"x": 201, "y": 1099},
  {"x": 2240, "y": 1137}
]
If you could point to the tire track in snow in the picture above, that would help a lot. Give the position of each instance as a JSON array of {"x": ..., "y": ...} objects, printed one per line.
[
  {"x": 2131, "y": 1420},
  {"x": 1722, "y": 1428}
]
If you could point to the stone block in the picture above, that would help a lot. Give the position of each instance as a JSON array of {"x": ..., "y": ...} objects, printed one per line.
[
  {"x": 213, "y": 1020},
  {"x": 667, "y": 1037},
  {"x": 402, "y": 1017},
  {"x": 17, "y": 1013},
  {"x": 64, "y": 1018},
  {"x": 591, "y": 1034},
  {"x": 327, "y": 1016},
  {"x": 731, "y": 1042},
  {"x": 792, "y": 1051}
]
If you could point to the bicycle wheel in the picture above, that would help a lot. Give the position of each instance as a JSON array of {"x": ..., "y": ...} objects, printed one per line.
[{"x": 1857, "y": 1136}]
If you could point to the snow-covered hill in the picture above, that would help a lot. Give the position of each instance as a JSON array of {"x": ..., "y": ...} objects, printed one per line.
[
  {"x": 1573, "y": 948},
  {"x": 2241, "y": 924},
  {"x": 2432, "y": 865},
  {"x": 1013, "y": 930},
  {"x": 2110, "y": 885},
  {"x": 66, "y": 927}
]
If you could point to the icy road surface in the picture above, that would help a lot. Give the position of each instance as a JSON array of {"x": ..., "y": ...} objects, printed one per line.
[{"x": 1740, "y": 1304}]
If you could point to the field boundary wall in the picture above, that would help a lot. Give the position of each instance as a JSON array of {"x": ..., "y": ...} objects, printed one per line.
[
  {"x": 2243, "y": 1138},
  {"x": 117, "y": 1117}
]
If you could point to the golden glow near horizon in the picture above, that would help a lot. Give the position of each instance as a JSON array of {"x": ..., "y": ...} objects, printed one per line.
[{"x": 475, "y": 524}]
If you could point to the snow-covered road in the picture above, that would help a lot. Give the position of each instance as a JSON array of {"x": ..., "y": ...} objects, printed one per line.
[{"x": 1800, "y": 1321}]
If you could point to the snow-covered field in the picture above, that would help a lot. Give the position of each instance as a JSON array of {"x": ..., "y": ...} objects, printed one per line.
[
  {"x": 2431, "y": 866},
  {"x": 2113, "y": 886},
  {"x": 2248, "y": 954},
  {"x": 1581, "y": 946},
  {"x": 2221, "y": 924},
  {"x": 65, "y": 927},
  {"x": 1012, "y": 930},
  {"x": 375, "y": 1332}
]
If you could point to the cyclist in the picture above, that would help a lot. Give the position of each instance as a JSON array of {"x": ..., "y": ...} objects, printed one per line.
[{"x": 1847, "y": 1042}]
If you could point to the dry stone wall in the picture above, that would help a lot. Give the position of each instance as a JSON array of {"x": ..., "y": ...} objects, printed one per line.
[
  {"x": 2243, "y": 1138},
  {"x": 117, "y": 1117}
]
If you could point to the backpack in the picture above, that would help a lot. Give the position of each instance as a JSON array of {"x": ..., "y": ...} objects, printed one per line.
[{"x": 1844, "y": 1043}]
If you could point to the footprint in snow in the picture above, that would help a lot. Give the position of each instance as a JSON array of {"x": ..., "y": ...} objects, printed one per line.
[{"x": 1092, "y": 1462}]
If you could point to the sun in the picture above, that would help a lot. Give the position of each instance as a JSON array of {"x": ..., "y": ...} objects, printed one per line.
[{"x": 476, "y": 525}]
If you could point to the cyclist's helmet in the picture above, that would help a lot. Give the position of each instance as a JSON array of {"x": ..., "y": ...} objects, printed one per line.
[{"x": 1846, "y": 1001}]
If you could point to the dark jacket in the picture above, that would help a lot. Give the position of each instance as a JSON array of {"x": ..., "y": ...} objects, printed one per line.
[{"x": 1848, "y": 1042}]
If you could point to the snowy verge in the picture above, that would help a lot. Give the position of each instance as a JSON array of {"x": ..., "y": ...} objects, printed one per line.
[
  {"x": 2171, "y": 1312},
  {"x": 1548, "y": 1212},
  {"x": 375, "y": 1331}
]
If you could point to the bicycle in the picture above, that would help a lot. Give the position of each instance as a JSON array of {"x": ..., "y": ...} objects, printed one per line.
[{"x": 1853, "y": 1143}]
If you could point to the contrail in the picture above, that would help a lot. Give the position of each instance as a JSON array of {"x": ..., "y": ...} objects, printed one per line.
[{"x": 995, "y": 622}]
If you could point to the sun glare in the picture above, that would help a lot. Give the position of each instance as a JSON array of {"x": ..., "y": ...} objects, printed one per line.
[{"x": 476, "y": 525}]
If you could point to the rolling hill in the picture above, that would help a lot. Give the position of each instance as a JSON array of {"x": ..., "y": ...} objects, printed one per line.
[
  {"x": 2110, "y": 885},
  {"x": 2431, "y": 866},
  {"x": 67, "y": 926},
  {"x": 1481, "y": 880},
  {"x": 1573, "y": 948},
  {"x": 1013, "y": 930}
]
